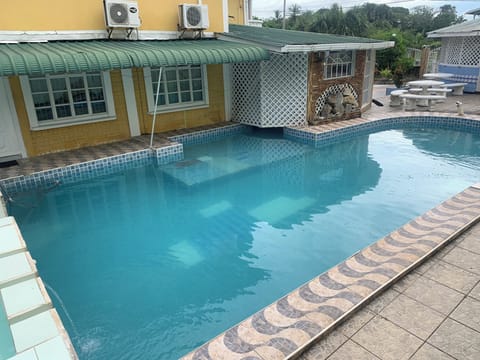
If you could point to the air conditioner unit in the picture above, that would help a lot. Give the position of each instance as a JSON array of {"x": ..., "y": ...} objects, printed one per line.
[
  {"x": 119, "y": 13},
  {"x": 193, "y": 17}
]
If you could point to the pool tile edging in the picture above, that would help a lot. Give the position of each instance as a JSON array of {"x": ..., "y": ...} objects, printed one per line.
[
  {"x": 22, "y": 320},
  {"x": 113, "y": 164},
  {"x": 325, "y": 134}
]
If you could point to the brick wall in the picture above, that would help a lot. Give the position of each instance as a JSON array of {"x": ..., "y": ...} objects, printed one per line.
[{"x": 317, "y": 85}]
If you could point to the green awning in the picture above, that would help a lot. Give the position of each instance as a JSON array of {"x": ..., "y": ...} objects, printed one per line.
[{"x": 98, "y": 55}]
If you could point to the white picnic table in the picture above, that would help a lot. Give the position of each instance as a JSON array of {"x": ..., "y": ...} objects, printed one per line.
[
  {"x": 435, "y": 76},
  {"x": 425, "y": 85}
]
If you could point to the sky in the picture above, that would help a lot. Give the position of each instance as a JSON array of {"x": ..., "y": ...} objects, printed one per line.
[{"x": 265, "y": 8}]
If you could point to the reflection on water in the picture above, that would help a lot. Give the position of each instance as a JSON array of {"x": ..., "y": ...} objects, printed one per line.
[{"x": 152, "y": 262}]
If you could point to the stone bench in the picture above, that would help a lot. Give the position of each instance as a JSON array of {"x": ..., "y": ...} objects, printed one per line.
[
  {"x": 443, "y": 90},
  {"x": 456, "y": 87},
  {"x": 395, "y": 99},
  {"x": 412, "y": 99}
]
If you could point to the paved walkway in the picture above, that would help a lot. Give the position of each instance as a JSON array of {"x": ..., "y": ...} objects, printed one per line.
[{"x": 432, "y": 313}]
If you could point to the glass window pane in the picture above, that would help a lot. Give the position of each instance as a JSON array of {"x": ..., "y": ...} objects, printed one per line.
[
  {"x": 94, "y": 80},
  {"x": 196, "y": 72},
  {"x": 96, "y": 94},
  {"x": 44, "y": 114},
  {"x": 38, "y": 85},
  {"x": 81, "y": 109},
  {"x": 172, "y": 87},
  {"x": 58, "y": 84},
  {"x": 63, "y": 111},
  {"x": 171, "y": 75},
  {"x": 173, "y": 98},
  {"x": 61, "y": 97},
  {"x": 77, "y": 82},
  {"x": 99, "y": 107},
  {"x": 197, "y": 96},
  {"x": 161, "y": 100},
  {"x": 184, "y": 85},
  {"x": 197, "y": 84},
  {"x": 41, "y": 100},
  {"x": 186, "y": 97},
  {"x": 154, "y": 88},
  {"x": 79, "y": 96},
  {"x": 184, "y": 74}
]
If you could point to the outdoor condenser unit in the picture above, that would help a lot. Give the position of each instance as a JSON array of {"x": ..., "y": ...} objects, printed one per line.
[
  {"x": 193, "y": 17},
  {"x": 120, "y": 13}
]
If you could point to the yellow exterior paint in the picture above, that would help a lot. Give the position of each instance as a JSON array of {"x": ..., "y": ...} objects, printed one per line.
[
  {"x": 81, "y": 15},
  {"x": 75, "y": 136},
  {"x": 214, "y": 113},
  {"x": 236, "y": 13}
]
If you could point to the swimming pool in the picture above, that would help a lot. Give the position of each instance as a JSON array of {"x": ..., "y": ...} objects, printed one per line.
[{"x": 152, "y": 262}]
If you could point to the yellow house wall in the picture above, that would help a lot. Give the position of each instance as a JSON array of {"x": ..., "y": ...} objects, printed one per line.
[
  {"x": 76, "y": 136},
  {"x": 214, "y": 113},
  {"x": 236, "y": 13},
  {"x": 37, "y": 15}
]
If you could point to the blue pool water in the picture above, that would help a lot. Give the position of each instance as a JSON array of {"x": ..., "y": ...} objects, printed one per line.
[{"x": 152, "y": 262}]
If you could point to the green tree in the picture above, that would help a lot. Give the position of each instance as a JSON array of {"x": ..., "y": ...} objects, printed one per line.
[
  {"x": 421, "y": 20},
  {"x": 446, "y": 17}
]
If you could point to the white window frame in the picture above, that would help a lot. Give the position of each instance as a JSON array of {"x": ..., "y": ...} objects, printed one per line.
[
  {"x": 335, "y": 75},
  {"x": 147, "y": 73},
  {"x": 72, "y": 120}
]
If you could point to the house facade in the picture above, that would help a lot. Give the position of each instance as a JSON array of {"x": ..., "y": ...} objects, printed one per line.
[
  {"x": 98, "y": 74},
  {"x": 64, "y": 84},
  {"x": 460, "y": 52}
]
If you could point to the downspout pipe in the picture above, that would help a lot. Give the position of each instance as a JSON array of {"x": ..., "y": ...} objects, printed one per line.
[{"x": 155, "y": 108}]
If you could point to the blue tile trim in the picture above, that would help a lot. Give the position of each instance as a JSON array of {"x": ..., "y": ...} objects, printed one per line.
[
  {"x": 114, "y": 164},
  {"x": 328, "y": 137},
  {"x": 169, "y": 154},
  {"x": 205, "y": 136}
]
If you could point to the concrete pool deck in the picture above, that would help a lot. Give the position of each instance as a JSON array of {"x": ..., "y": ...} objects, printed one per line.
[{"x": 307, "y": 316}]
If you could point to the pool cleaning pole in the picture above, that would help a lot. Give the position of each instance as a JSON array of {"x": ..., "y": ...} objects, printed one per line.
[{"x": 155, "y": 109}]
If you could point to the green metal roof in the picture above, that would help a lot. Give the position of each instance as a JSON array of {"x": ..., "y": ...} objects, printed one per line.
[
  {"x": 289, "y": 40},
  {"x": 467, "y": 28},
  {"x": 78, "y": 56}
]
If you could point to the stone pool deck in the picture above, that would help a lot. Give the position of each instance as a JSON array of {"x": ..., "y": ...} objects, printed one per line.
[{"x": 431, "y": 313}]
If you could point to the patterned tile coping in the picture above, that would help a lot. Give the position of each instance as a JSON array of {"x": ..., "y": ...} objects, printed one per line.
[{"x": 284, "y": 329}]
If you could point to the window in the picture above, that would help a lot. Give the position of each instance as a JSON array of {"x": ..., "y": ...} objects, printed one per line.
[
  {"x": 339, "y": 64},
  {"x": 180, "y": 87},
  {"x": 56, "y": 100}
]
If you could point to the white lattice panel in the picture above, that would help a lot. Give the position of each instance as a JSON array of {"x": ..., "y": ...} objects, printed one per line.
[
  {"x": 246, "y": 93},
  {"x": 331, "y": 90},
  {"x": 471, "y": 51},
  {"x": 284, "y": 90},
  {"x": 272, "y": 93},
  {"x": 453, "y": 50}
]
